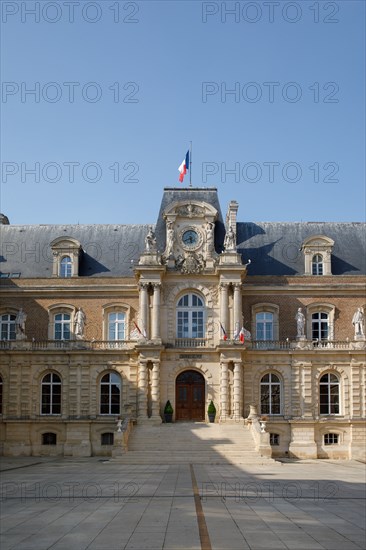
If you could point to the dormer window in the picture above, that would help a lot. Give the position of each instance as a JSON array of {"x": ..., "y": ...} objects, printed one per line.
[
  {"x": 317, "y": 265},
  {"x": 318, "y": 253},
  {"x": 66, "y": 254}
]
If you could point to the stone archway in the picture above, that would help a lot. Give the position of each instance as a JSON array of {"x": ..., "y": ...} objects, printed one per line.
[{"x": 190, "y": 396}]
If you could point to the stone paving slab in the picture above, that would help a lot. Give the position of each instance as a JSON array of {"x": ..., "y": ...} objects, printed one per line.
[{"x": 93, "y": 504}]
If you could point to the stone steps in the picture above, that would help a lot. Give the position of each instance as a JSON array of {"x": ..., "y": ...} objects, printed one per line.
[{"x": 198, "y": 443}]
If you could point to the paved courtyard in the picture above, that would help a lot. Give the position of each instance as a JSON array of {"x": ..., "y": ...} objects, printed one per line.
[{"x": 68, "y": 504}]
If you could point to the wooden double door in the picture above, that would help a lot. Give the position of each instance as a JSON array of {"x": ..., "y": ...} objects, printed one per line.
[{"x": 190, "y": 396}]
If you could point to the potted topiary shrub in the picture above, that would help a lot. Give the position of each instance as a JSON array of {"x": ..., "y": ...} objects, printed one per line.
[
  {"x": 168, "y": 412},
  {"x": 211, "y": 411}
]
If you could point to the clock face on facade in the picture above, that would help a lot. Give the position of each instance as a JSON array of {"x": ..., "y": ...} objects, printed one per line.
[{"x": 190, "y": 238}]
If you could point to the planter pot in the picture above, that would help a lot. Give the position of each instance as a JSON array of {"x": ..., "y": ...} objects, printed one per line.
[
  {"x": 168, "y": 417},
  {"x": 211, "y": 417}
]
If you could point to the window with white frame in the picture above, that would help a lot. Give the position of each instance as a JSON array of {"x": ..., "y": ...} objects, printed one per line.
[
  {"x": 110, "y": 393},
  {"x": 62, "y": 326},
  {"x": 317, "y": 265},
  {"x": 264, "y": 325},
  {"x": 320, "y": 326},
  {"x": 66, "y": 267},
  {"x": 320, "y": 321},
  {"x": 270, "y": 387},
  {"x": 51, "y": 394},
  {"x": 190, "y": 316},
  {"x": 331, "y": 439},
  {"x": 265, "y": 321},
  {"x": 329, "y": 394},
  {"x": 117, "y": 325},
  {"x": 7, "y": 322}
]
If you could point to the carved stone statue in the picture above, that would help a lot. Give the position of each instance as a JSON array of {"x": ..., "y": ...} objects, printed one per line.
[
  {"x": 358, "y": 321},
  {"x": 80, "y": 320},
  {"x": 229, "y": 243},
  {"x": 20, "y": 325},
  {"x": 209, "y": 239},
  {"x": 150, "y": 242},
  {"x": 300, "y": 321},
  {"x": 170, "y": 237}
]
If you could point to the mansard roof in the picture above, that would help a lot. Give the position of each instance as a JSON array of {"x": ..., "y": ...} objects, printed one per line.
[{"x": 274, "y": 248}]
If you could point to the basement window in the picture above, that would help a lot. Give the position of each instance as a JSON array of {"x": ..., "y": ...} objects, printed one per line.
[
  {"x": 331, "y": 439},
  {"x": 107, "y": 438},
  {"x": 274, "y": 439}
]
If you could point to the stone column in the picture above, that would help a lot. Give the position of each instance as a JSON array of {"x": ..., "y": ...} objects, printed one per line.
[
  {"x": 238, "y": 316},
  {"x": 224, "y": 306},
  {"x": 155, "y": 391},
  {"x": 224, "y": 388},
  {"x": 238, "y": 391},
  {"x": 142, "y": 390},
  {"x": 155, "y": 332},
  {"x": 144, "y": 306}
]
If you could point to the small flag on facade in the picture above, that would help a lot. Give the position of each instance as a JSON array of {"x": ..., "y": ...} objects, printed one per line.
[
  {"x": 184, "y": 167},
  {"x": 223, "y": 332},
  {"x": 143, "y": 334},
  {"x": 242, "y": 335}
]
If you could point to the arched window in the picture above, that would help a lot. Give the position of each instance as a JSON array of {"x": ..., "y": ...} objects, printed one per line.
[
  {"x": 317, "y": 265},
  {"x": 190, "y": 316},
  {"x": 329, "y": 394},
  {"x": 270, "y": 394},
  {"x": 264, "y": 325},
  {"x": 51, "y": 394},
  {"x": 62, "y": 324},
  {"x": 1, "y": 395},
  {"x": 116, "y": 325},
  {"x": 49, "y": 438},
  {"x": 110, "y": 394},
  {"x": 107, "y": 438},
  {"x": 320, "y": 326},
  {"x": 7, "y": 321},
  {"x": 66, "y": 267}
]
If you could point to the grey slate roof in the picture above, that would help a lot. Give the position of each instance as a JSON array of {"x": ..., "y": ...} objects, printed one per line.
[
  {"x": 109, "y": 250},
  {"x": 274, "y": 247}
]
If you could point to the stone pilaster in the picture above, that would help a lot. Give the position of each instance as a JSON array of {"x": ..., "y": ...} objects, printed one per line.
[
  {"x": 224, "y": 305},
  {"x": 142, "y": 390},
  {"x": 238, "y": 391},
  {"x": 224, "y": 388},
  {"x": 237, "y": 306},
  {"x": 155, "y": 332},
  {"x": 155, "y": 392},
  {"x": 144, "y": 315}
]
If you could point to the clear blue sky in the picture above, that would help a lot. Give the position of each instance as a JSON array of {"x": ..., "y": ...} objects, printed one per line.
[{"x": 163, "y": 53}]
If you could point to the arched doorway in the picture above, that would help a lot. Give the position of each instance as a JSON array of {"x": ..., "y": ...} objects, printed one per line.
[{"x": 190, "y": 396}]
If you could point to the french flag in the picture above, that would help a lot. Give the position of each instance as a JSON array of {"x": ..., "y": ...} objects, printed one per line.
[
  {"x": 224, "y": 335},
  {"x": 184, "y": 167}
]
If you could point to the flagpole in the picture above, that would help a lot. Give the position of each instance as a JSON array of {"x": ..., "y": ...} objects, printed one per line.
[{"x": 190, "y": 166}]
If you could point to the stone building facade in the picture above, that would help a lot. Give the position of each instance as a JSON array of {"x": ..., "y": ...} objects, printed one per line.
[{"x": 108, "y": 322}]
